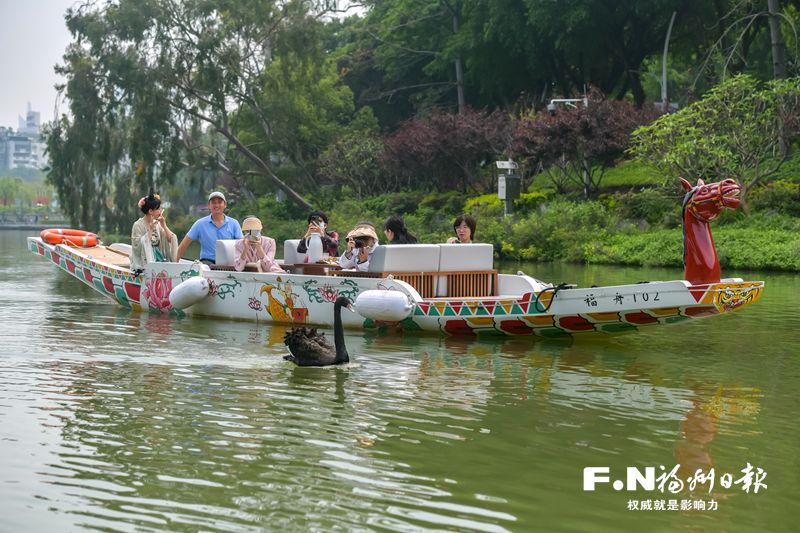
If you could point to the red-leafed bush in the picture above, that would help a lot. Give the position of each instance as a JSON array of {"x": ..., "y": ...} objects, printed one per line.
[
  {"x": 578, "y": 144},
  {"x": 445, "y": 150}
]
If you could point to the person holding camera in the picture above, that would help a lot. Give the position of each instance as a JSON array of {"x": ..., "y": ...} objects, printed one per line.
[
  {"x": 318, "y": 223},
  {"x": 254, "y": 248},
  {"x": 361, "y": 243}
]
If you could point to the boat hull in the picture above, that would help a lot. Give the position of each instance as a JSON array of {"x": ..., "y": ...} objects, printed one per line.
[{"x": 308, "y": 300}]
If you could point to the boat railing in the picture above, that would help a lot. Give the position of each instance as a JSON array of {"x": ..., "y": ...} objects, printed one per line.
[
  {"x": 438, "y": 284},
  {"x": 434, "y": 270}
]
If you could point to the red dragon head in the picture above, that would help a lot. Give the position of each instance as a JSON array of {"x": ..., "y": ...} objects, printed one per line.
[{"x": 706, "y": 201}]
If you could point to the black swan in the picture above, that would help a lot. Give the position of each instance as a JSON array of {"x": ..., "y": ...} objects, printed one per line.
[{"x": 307, "y": 347}]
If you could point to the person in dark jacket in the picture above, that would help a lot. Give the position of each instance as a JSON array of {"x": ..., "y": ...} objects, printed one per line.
[{"x": 318, "y": 223}]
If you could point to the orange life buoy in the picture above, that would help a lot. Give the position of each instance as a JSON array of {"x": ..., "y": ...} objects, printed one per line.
[{"x": 75, "y": 237}]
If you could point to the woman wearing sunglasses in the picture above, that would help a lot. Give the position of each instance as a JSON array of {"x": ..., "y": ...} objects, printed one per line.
[{"x": 255, "y": 249}]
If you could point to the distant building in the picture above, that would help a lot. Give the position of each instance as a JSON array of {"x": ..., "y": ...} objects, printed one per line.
[
  {"x": 24, "y": 148},
  {"x": 31, "y": 124}
]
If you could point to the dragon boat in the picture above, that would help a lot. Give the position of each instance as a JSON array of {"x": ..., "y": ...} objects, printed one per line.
[{"x": 451, "y": 289}]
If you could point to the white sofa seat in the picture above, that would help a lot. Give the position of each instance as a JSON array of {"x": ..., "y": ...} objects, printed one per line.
[
  {"x": 226, "y": 252},
  {"x": 290, "y": 255},
  {"x": 460, "y": 258},
  {"x": 405, "y": 258},
  {"x": 479, "y": 256}
]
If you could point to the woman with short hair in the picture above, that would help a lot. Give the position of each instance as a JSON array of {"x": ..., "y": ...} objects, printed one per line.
[{"x": 464, "y": 228}]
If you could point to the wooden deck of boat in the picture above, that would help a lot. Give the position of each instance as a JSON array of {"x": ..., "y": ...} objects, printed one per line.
[{"x": 106, "y": 255}]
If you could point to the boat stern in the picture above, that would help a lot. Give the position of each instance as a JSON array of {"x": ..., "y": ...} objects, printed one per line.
[{"x": 36, "y": 246}]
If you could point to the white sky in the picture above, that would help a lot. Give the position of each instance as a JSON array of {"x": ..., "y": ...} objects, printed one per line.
[{"x": 33, "y": 38}]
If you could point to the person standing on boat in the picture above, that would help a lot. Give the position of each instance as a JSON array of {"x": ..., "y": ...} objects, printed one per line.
[
  {"x": 151, "y": 239},
  {"x": 209, "y": 229},
  {"x": 397, "y": 232},
  {"x": 361, "y": 243},
  {"x": 256, "y": 249},
  {"x": 464, "y": 227},
  {"x": 318, "y": 223}
]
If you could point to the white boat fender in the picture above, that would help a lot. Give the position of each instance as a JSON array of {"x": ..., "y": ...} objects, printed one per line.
[
  {"x": 189, "y": 292},
  {"x": 390, "y": 306}
]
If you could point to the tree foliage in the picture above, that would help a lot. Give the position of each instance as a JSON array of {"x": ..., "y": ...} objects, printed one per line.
[
  {"x": 10, "y": 189},
  {"x": 578, "y": 144},
  {"x": 401, "y": 57},
  {"x": 446, "y": 150},
  {"x": 151, "y": 75},
  {"x": 737, "y": 131},
  {"x": 356, "y": 161}
]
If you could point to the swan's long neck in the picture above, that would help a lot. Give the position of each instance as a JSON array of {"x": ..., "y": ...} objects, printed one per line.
[{"x": 338, "y": 335}]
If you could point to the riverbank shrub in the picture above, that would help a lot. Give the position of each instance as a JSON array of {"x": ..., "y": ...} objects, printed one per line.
[
  {"x": 657, "y": 206},
  {"x": 557, "y": 231},
  {"x": 628, "y": 228},
  {"x": 737, "y": 248},
  {"x": 780, "y": 196}
]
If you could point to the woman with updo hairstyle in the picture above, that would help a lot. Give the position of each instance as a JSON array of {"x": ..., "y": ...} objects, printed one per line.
[
  {"x": 151, "y": 239},
  {"x": 464, "y": 227},
  {"x": 397, "y": 232}
]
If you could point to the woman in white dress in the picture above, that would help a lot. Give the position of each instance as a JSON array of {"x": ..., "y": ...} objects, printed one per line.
[{"x": 151, "y": 239}]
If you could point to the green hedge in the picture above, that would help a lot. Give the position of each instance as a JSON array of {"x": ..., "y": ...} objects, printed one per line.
[{"x": 628, "y": 227}]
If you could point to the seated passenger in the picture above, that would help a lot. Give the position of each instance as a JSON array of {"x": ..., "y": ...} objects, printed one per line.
[
  {"x": 256, "y": 249},
  {"x": 151, "y": 239},
  {"x": 209, "y": 229},
  {"x": 397, "y": 233},
  {"x": 464, "y": 227},
  {"x": 361, "y": 243},
  {"x": 318, "y": 223}
]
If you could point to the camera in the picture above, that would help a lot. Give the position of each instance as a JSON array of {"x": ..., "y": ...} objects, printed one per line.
[{"x": 359, "y": 242}]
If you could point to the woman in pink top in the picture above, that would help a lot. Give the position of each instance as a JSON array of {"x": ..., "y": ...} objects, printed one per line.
[{"x": 255, "y": 249}]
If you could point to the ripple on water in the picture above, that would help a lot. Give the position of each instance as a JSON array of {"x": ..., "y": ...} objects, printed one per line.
[{"x": 154, "y": 423}]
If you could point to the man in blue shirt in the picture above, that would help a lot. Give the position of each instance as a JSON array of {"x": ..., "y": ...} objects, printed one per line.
[{"x": 208, "y": 230}]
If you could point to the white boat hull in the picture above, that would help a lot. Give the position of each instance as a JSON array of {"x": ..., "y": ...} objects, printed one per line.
[{"x": 305, "y": 299}]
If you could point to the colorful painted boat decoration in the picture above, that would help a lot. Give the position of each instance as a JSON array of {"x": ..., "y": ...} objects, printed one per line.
[{"x": 471, "y": 301}]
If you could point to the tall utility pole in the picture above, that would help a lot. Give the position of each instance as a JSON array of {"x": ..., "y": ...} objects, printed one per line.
[
  {"x": 778, "y": 52},
  {"x": 462, "y": 104},
  {"x": 664, "y": 63}
]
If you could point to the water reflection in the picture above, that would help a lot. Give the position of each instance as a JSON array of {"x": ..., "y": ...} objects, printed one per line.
[
  {"x": 116, "y": 420},
  {"x": 143, "y": 444}
]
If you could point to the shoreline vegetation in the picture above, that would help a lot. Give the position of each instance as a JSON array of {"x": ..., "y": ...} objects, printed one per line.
[
  {"x": 635, "y": 221},
  {"x": 289, "y": 110}
]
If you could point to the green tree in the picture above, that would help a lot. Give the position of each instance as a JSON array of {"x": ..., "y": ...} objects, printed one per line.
[
  {"x": 302, "y": 108},
  {"x": 736, "y": 131},
  {"x": 10, "y": 189},
  {"x": 158, "y": 77},
  {"x": 514, "y": 50}
]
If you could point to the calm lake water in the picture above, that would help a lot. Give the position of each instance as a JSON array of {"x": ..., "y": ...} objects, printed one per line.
[{"x": 117, "y": 421}]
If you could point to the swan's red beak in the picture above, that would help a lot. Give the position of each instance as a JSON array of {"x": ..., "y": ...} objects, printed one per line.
[{"x": 351, "y": 308}]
